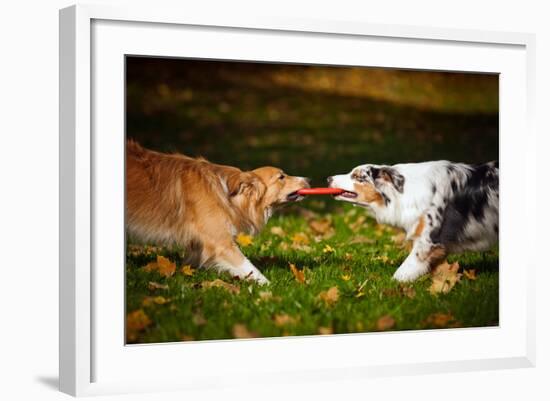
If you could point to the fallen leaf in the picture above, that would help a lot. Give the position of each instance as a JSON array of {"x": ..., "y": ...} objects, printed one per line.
[
  {"x": 284, "y": 320},
  {"x": 163, "y": 265},
  {"x": 358, "y": 224},
  {"x": 346, "y": 277},
  {"x": 157, "y": 286},
  {"x": 136, "y": 321},
  {"x": 360, "y": 239},
  {"x": 322, "y": 226},
  {"x": 300, "y": 247},
  {"x": 241, "y": 331},
  {"x": 299, "y": 275},
  {"x": 278, "y": 231},
  {"x": 408, "y": 291},
  {"x": 330, "y": 296},
  {"x": 265, "y": 295},
  {"x": 440, "y": 319},
  {"x": 187, "y": 270},
  {"x": 325, "y": 330},
  {"x": 470, "y": 274},
  {"x": 159, "y": 300},
  {"x": 284, "y": 246},
  {"x": 300, "y": 238},
  {"x": 199, "y": 319},
  {"x": 220, "y": 284},
  {"x": 348, "y": 256},
  {"x": 328, "y": 249},
  {"x": 386, "y": 322},
  {"x": 444, "y": 278},
  {"x": 243, "y": 239},
  {"x": 399, "y": 238}
]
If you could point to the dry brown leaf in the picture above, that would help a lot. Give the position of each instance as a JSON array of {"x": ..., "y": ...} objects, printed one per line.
[
  {"x": 199, "y": 319},
  {"x": 243, "y": 239},
  {"x": 187, "y": 270},
  {"x": 163, "y": 265},
  {"x": 444, "y": 278},
  {"x": 278, "y": 231},
  {"x": 348, "y": 256},
  {"x": 157, "y": 286},
  {"x": 299, "y": 275},
  {"x": 284, "y": 320},
  {"x": 322, "y": 226},
  {"x": 358, "y": 224},
  {"x": 265, "y": 295},
  {"x": 303, "y": 248},
  {"x": 386, "y": 322},
  {"x": 330, "y": 296},
  {"x": 470, "y": 274},
  {"x": 136, "y": 321},
  {"x": 360, "y": 239},
  {"x": 440, "y": 319},
  {"x": 221, "y": 284},
  {"x": 300, "y": 238},
  {"x": 408, "y": 291},
  {"x": 399, "y": 238},
  {"x": 159, "y": 300},
  {"x": 325, "y": 330},
  {"x": 241, "y": 331}
]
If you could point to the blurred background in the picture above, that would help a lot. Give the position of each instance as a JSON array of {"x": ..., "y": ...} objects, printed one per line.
[{"x": 310, "y": 120}]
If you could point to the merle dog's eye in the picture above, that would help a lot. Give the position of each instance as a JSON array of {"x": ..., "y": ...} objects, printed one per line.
[{"x": 282, "y": 177}]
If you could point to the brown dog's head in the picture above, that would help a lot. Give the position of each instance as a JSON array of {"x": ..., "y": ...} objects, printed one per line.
[
  {"x": 280, "y": 188},
  {"x": 256, "y": 193}
]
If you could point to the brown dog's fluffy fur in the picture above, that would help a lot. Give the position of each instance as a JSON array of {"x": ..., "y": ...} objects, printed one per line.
[{"x": 201, "y": 206}]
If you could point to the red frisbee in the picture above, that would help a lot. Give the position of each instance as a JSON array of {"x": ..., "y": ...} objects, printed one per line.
[{"x": 320, "y": 191}]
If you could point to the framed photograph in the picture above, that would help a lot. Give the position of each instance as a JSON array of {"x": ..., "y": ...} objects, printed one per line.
[{"x": 279, "y": 199}]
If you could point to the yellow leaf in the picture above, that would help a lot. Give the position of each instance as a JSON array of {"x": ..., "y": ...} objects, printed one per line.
[
  {"x": 386, "y": 322},
  {"x": 348, "y": 256},
  {"x": 444, "y": 278},
  {"x": 187, "y": 270},
  {"x": 243, "y": 239},
  {"x": 346, "y": 277},
  {"x": 325, "y": 330},
  {"x": 300, "y": 239},
  {"x": 299, "y": 275},
  {"x": 330, "y": 296},
  {"x": 277, "y": 231},
  {"x": 265, "y": 295},
  {"x": 220, "y": 284},
  {"x": 136, "y": 321},
  {"x": 328, "y": 249},
  {"x": 163, "y": 265},
  {"x": 470, "y": 274},
  {"x": 241, "y": 331},
  {"x": 284, "y": 320}
]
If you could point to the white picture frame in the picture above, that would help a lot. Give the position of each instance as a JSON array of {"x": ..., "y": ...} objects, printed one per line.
[{"x": 96, "y": 361}]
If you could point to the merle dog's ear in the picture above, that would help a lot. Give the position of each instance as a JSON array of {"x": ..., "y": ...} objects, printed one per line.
[{"x": 391, "y": 176}]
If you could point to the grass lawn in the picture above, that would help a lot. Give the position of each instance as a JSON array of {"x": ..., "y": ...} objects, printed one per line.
[
  {"x": 343, "y": 250},
  {"x": 316, "y": 122}
]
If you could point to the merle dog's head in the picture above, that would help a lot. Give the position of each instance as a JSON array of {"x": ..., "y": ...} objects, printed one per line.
[{"x": 369, "y": 185}]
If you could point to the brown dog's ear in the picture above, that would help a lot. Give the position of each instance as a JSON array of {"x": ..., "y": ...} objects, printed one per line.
[{"x": 245, "y": 184}]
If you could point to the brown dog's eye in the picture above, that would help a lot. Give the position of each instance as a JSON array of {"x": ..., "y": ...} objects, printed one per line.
[{"x": 282, "y": 177}]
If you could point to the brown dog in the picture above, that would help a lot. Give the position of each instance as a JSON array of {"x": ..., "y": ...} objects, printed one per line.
[{"x": 178, "y": 200}]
